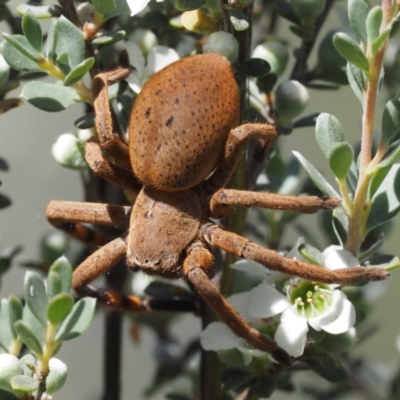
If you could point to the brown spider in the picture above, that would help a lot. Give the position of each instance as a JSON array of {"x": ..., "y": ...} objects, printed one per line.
[{"x": 183, "y": 148}]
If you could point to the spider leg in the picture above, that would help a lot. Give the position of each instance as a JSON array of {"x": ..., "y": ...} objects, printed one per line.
[
  {"x": 200, "y": 259},
  {"x": 242, "y": 247},
  {"x": 234, "y": 147},
  {"x": 110, "y": 143},
  {"x": 222, "y": 201},
  {"x": 99, "y": 263},
  {"x": 110, "y": 172},
  {"x": 69, "y": 216}
]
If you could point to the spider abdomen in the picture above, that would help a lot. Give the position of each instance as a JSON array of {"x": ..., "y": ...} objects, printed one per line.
[{"x": 181, "y": 120}]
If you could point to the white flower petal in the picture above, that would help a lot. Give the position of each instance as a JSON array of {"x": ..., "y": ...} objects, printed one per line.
[
  {"x": 137, "y": 5},
  {"x": 339, "y": 317},
  {"x": 217, "y": 336},
  {"x": 291, "y": 334},
  {"x": 136, "y": 58},
  {"x": 294, "y": 252},
  {"x": 241, "y": 303},
  {"x": 134, "y": 82},
  {"x": 265, "y": 301},
  {"x": 158, "y": 58},
  {"x": 336, "y": 257}
]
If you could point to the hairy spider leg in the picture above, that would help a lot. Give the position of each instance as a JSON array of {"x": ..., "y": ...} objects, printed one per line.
[
  {"x": 245, "y": 248},
  {"x": 99, "y": 263},
  {"x": 69, "y": 216},
  {"x": 198, "y": 261},
  {"x": 223, "y": 200}
]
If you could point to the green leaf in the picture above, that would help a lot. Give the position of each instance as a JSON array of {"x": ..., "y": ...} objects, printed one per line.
[
  {"x": 78, "y": 320},
  {"x": 373, "y": 23},
  {"x": 319, "y": 181},
  {"x": 109, "y": 38},
  {"x": 32, "y": 31},
  {"x": 390, "y": 120},
  {"x": 390, "y": 158},
  {"x": 79, "y": 71},
  {"x": 6, "y": 331},
  {"x": 28, "y": 337},
  {"x": 63, "y": 63},
  {"x": 340, "y": 159},
  {"x": 377, "y": 180},
  {"x": 357, "y": 81},
  {"x": 327, "y": 365},
  {"x": 350, "y": 50},
  {"x": 312, "y": 254},
  {"x": 15, "y": 313},
  {"x": 34, "y": 324},
  {"x": 234, "y": 378},
  {"x": 39, "y": 11},
  {"x": 238, "y": 20},
  {"x": 329, "y": 131},
  {"x": 85, "y": 122},
  {"x": 188, "y": 5},
  {"x": 24, "y": 383},
  {"x": 384, "y": 261},
  {"x": 64, "y": 270},
  {"x": 65, "y": 37},
  {"x": 59, "y": 307},
  {"x": 36, "y": 296},
  {"x": 121, "y": 7},
  {"x": 378, "y": 42},
  {"x": 264, "y": 387},
  {"x": 54, "y": 286},
  {"x": 48, "y": 96},
  {"x": 358, "y": 11},
  {"x": 104, "y": 6},
  {"x": 385, "y": 203},
  {"x": 19, "y": 53}
]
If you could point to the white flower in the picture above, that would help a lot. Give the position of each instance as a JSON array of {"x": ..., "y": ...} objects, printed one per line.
[
  {"x": 158, "y": 58},
  {"x": 217, "y": 336},
  {"x": 138, "y": 5},
  {"x": 323, "y": 307}
]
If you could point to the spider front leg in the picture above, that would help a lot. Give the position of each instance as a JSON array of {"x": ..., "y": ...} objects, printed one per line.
[
  {"x": 242, "y": 247},
  {"x": 200, "y": 259}
]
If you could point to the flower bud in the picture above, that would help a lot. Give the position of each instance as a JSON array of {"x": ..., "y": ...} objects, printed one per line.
[
  {"x": 68, "y": 151},
  {"x": 275, "y": 53},
  {"x": 57, "y": 376},
  {"x": 145, "y": 39},
  {"x": 53, "y": 246},
  {"x": 308, "y": 10},
  {"x": 291, "y": 99},
  {"x": 223, "y": 43},
  {"x": 9, "y": 367}
]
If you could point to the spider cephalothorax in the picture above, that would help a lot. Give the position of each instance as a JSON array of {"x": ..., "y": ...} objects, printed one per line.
[{"x": 183, "y": 148}]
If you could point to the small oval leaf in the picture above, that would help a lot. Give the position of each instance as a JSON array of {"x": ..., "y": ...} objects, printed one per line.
[
  {"x": 36, "y": 296},
  {"x": 319, "y": 181},
  {"x": 350, "y": 50},
  {"x": 28, "y": 337},
  {"x": 48, "y": 96},
  {"x": 358, "y": 11},
  {"x": 238, "y": 20},
  {"x": 187, "y": 5},
  {"x": 24, "y": 383},
  {"x": 329, "y": 131},
  {"x": 373, "y": 23},
  {"x": 340, "y": 159},
  {"x": 390, "y": 120},
  {"x": 79, "y": 71},
  {"x": 32, "y": 31},
  {"x": 78, "y": 319},
  {"x": 59, "y": 307},
  {"x": 64, "y": 270},
  {"x": 19, "y": 54}
]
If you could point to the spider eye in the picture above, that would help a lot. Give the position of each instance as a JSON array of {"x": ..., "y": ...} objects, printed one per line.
[{"x": 157, "y": 262}]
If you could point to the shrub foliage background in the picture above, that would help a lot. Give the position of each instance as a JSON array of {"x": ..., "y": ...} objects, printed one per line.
[{"x": 84, "y": 38}]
